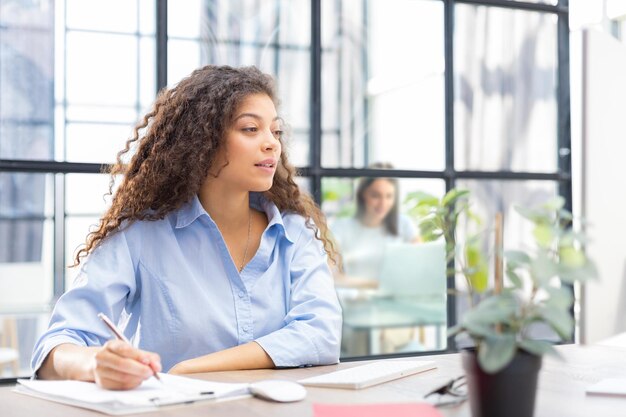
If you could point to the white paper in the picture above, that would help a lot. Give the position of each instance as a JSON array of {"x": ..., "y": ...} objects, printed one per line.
[
  {"x": 149, "y": 395},
  {"x": 609, "y": 386}
]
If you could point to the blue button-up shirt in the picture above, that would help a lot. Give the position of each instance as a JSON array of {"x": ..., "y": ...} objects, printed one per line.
[{"x": 173, "y": 288}]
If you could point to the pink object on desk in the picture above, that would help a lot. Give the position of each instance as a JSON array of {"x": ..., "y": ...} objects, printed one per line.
[{"x": 375, "y": 410}]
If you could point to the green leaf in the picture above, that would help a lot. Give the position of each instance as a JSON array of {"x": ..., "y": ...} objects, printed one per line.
[
  {"x": 331, "y": 196},
  {"x": 477, "y": 269},
  {"x": 514, "y": 278},
  {"x": 455, "y": 330},
  {"x": 543, "y": 235},
  {"x": 565, "y": 215},
  {"x": 570, "y": 236},
  {"x": 517, "y": 256},
  {"x": 572, "y": 257},
  {"x": 542, "y": 268},
  {"x": 531, "y": 214},
  {"x": 479, "y": 330},
  {"x": 586, "y": 272},
  {"x": 429, "y": 230},
  {"x": 421, "y": 198},
  {"x": 452, "y": 196},
  {"x": 561, "y": 298},
  {"x": 558, "y": 319},
  {"x": 554, "y": 204},
  {"x": 494, "y": 353},
  {"x": 492, "y": 310},
  {"x": 538, "y": 347},
  {"x": 474, "y": 217}
]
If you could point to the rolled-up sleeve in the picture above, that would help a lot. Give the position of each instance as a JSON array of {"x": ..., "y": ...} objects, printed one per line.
[
  {"x": 104, "y": 284},
  {"x": 312, "y": 331}
]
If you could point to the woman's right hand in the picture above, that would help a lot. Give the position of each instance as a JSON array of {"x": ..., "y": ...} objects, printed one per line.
[{"x": 119, "y": 366}]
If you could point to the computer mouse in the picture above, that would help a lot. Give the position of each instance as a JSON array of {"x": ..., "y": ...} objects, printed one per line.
[{"x": 278, "y": 390}]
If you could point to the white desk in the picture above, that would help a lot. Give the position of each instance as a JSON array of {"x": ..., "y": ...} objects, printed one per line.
[{"x": 561, "y": 390}]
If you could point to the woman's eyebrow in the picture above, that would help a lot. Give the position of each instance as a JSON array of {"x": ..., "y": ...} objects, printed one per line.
[{"x": 255, "y": 116}]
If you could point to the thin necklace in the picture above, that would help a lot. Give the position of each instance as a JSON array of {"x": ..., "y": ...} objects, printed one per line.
[{"x": 245, "y": 252}]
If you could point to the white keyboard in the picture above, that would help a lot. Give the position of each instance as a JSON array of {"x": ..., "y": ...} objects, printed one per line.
[{"x": 367, "y": 375}]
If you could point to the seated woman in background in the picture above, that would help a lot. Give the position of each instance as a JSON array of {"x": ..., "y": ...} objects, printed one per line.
[
  {"x": 362, "y": 239},
  {"x": 209, "y": 257}
]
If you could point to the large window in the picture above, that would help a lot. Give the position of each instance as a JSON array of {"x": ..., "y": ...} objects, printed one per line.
[{"x": 382, "y": 100}]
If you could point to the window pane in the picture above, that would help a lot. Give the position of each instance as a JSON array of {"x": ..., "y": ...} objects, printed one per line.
[
  {"x": 25, "y": 140},
  {"x": 147, "y": 72},
  {"x": 491, "y": 196},
  {"x": 183, "y": 18},
  {"x": 95, "y": 143},
  {"x": 76, "y": 230},
  {"x": 392, "y": 289},
  {"x": 390, "y": 106},
  {"x": 182, "y": 58},
  {"x": 147, "y": 17},
  {"x": 30, "y": 244},
  {"x": 18, "y": 334},
  {"x": 25, "y": 196},
  {"x": 297, "y": 144},
  {"x": 26, "y": 255},
  {"x": 101, "y": 69},
  {"x": 99, "y": 92},
  {"x": 26, "y": 80},
  {"x": 26, "y": 264},
  {"x": 505, "y": 89},
  {"x": 82, "y": 113},
  {"x": 247, "y": 21},
  {"x": 272, "y": 35},
  {"x": 304, "y": 183},
  {"x": 294, "y": 84},
  {"x": 102, "y": 15},
  {"x": 85, "y": 194},
  {"x": 294, "y": 22}
]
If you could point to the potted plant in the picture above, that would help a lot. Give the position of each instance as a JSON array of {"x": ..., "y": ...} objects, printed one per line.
[{"x": 503, "y": 365}]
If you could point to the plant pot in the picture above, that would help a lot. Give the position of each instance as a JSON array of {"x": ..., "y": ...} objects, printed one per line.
[{"x": 510, "y": 392}]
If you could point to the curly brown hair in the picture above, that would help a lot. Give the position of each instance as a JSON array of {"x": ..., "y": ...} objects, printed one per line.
[{"x": 175, "y": 146}]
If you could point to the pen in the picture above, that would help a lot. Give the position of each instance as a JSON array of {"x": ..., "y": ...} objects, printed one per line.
[{"x": 119, "y": 335}]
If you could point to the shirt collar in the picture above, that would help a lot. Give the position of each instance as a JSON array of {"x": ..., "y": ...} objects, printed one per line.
[
  {"x": 189, "y": 212},
  {"x": 193, "y": 209},
  {"x": 274, "y": 216}
]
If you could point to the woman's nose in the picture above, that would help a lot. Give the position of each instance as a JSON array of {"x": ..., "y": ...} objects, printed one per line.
[{"x": 270, "y": 143}]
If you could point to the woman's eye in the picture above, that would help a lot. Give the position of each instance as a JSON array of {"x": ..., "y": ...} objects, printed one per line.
[
  {"x": 249, "y": 129},
  {"x": 278, "y": 134}
]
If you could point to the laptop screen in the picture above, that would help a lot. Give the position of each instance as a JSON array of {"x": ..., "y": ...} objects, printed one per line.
[{"x": 414, "y": 269}]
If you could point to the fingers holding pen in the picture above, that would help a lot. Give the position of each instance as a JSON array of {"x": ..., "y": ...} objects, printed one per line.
[
  {"x": 121, "y": 366},
  {"x": 134, "y": 360}
]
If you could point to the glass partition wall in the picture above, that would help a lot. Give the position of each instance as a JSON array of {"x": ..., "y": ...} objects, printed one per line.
[{"x": 382, "y": 100}]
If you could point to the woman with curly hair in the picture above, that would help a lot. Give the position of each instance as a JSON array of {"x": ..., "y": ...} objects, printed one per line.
[{"x": 209, "y": 258}]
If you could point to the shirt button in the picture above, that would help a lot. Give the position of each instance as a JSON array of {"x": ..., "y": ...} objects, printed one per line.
[
  {"x": 246, "y": 328},
  {"x": 241, "y": 294}
]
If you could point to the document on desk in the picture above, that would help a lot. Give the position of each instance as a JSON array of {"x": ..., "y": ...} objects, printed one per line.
[
  {"x": 149, "y": 396},
  {"x": 609, "y": 386}
]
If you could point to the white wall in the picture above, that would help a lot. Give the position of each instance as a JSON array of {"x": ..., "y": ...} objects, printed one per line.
[{"x": 603, "y": 188}]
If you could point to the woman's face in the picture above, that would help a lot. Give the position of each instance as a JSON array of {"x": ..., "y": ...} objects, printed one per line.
[
  {"x": 379, "y": 198},
  {"x": 252, "y": 146}
]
